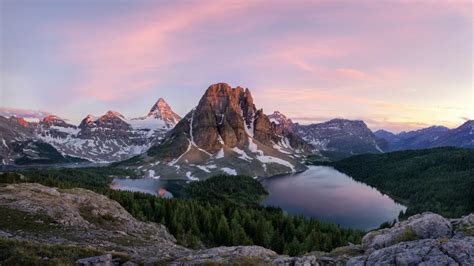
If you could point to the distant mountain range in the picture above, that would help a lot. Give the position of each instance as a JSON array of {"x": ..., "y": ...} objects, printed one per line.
[
  {"x": 224, "y": 133},
  {"x": 339, "y": 135},
  {"x": 431, "y": 137},
  {"x": 108, "y": 138}
]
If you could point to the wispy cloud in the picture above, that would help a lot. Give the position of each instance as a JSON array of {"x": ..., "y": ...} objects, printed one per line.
[{"x": 131, "y": 56}]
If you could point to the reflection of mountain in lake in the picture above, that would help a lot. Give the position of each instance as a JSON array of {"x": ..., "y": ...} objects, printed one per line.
[{"x": 163, "y": 193}]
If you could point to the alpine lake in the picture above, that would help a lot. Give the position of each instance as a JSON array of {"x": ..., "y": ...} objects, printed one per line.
[{"x": 320, "y": 192}]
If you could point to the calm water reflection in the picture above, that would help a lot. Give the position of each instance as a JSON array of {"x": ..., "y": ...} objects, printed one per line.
[{"x": 329, "y": 195}]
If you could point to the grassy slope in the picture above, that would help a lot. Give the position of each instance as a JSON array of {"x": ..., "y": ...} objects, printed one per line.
[{"x": 439, "y": 180}]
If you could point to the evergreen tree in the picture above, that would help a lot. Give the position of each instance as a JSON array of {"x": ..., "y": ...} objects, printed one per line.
[{"x": 223, "y": 232}]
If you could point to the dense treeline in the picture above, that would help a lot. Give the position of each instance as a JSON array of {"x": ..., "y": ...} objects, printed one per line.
[
  {"x": 208, "y": 218},
  {"x": 88, "y": 177},
  {"x": 439, "y": 180},
  {"x": 238, "y": 190},
  {"x": 197, "y": 224}
]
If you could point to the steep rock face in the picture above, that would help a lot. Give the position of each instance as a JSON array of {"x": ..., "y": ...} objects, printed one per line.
[
  {"x": 341, "y": 135},
  {"x": 219, "y": 117},
  {"x": 111, "y": 137},
  {"x": 225, "y": 133}
]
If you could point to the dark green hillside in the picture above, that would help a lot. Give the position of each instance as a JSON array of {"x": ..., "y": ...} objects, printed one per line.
[
  {"x": 439, "y": 180},
  {"x": 238, "y": 190}
]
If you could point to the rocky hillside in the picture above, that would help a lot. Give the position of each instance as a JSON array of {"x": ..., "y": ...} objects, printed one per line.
[
  {"x": 108, "y": 138},
  {"x": 224, "y": 133},
  {"x": 81, "y": 218},
  {"x": 435, "y": 136}
]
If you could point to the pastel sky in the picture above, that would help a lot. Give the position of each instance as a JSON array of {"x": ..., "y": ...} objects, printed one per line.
[{"x": 397, "y": 65}]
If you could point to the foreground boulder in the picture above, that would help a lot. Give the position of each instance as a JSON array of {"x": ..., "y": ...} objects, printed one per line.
[
  {"x": 420, "y": 226},
  {"x": 423, "y": 239}
]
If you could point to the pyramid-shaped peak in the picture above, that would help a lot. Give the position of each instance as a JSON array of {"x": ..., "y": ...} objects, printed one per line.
[
  {"x": 161, "y": 110},
  {"x": 161, "y": 104}
]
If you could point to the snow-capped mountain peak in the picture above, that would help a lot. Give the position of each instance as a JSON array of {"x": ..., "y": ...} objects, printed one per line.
[
  {"x": 280, "y": 119},
  {"x": 161, "y": 110},
  {"x": 106, "y": 138}
]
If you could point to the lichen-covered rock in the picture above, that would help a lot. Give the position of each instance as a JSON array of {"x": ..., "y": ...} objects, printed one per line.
[
  {"x": 460, "y": 250},
  {"x": 420, "y": 252},
  {"x": 423, "y": 239},
  {"x": 255, "y": 255},
  {"x": 420, "y": 226},
  {"x": 225, "y": 255},
  {"x": 464, "y": 225}
]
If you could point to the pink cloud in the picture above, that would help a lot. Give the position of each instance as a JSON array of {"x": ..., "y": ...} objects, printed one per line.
[
  {"x": 349, "y": 68},
  {"x": 131, "y": 56}
]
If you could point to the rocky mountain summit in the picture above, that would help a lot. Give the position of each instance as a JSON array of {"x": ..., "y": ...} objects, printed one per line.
[
  {"x": 78, "y": 217},
  {"x": 108, "y": 138},
  {"x": 161, "y": 110},
  {"x": 224, "y": 133},
  {"x": 431, "y": 137}
]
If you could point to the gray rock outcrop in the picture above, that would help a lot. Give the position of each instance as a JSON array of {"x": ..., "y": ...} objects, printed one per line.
[{"x": 423, "y": 239}]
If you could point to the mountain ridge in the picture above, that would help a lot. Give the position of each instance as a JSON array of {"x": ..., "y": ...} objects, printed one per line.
[
  {"x": 107, "y": 138},
  {"x": 430, "y": 137}
]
